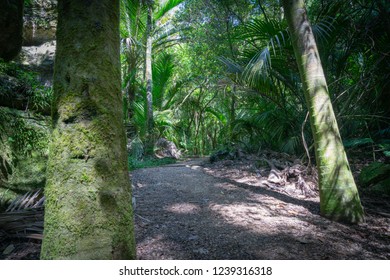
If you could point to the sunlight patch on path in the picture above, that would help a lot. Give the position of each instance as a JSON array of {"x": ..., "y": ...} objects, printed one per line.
[
  {"x": 256, "y": 219},
  {"x": 183, "y": 208}
]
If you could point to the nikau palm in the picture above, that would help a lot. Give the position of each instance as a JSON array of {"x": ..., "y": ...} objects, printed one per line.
[
  {"x": 149, "y": 79},
  {"x": 155, "y": 11},
  {"x": 339, "y": 199}
]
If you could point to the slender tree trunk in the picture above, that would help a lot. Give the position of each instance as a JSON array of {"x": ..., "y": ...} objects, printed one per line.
[
  {"x": 131, "y": 87},
  {"x": 149, "y": 80},
  {"x": 132, "y": 62},
  {"x": 339, "y": 198},
  {"x": 232, "y": 118},
  {"x": 88, "y": 213}
]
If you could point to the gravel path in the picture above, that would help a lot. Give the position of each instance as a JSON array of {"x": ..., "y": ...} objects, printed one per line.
[{"x": 182, "y": 212}]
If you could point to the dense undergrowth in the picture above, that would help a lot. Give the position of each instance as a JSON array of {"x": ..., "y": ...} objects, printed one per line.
[{"x": 148, "y": 161}]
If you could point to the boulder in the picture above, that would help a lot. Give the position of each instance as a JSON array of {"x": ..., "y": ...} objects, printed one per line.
[
  {"x": 40, "y": 59},
  {"x": 166, "y": 149}
]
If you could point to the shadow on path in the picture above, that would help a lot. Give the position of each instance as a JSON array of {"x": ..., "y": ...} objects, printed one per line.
[{"x": 183, "y": 213}]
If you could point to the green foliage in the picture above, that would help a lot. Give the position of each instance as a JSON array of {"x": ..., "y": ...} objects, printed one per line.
[
  {"x": 28, "y": 3},
  {"x": 166, "y": 7},
  {"x": 162, "y": 70},
  {"x": 24, "y": 133},
  {"x": 229, "y": 76},
  {"x": 374, "y": 173},
  {"x": 24, "y": 138},
  {"x": 148, "y": 162},
  {"x": 352, "y": 143},
  {"x": 21, "y": 84},
  {"x": 136, "y": 149},
  {"x": 384, "y": 147}
]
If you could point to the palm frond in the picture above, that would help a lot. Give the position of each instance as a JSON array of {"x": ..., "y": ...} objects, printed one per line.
[
  {"x": 257, "y": 69},
  {"x": 166, "y": 7},
  {"x": 166, "y": 35},
  {"x": 30, "y": 200},
  {"x": 26, "y": 223},
  {"x": 323, "y": 29},
  {"x": 232, "y": 66},
  {"x": 217, "y": 114},
  {"x": 259, "y": 32},
  {"x": 133, "y": 18},
  {"x": 162, "y": 74},
  {"x": 24, "y": 216},
  {"x": 139, "y": 117},
  {"x": 171, "y": 94}
]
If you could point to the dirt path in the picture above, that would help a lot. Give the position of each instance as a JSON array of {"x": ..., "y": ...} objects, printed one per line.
[{"x": 184, "y": 212}]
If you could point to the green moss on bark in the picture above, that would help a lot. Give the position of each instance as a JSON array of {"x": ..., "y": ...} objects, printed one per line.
[
  {"x": 339, "y": 198},
  {"x": 88, "y": 208}
]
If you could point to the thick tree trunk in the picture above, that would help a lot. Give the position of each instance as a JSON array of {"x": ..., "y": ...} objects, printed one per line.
[
  {"x": 339, "y": 198},
  {"x": 88, "y": 212},
  {"x": 149, "y": 81},
  {"x": 11, "y": 28}
]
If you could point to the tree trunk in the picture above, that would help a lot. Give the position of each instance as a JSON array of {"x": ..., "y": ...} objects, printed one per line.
[
  {"x": 11, "y": 28},
  {"x": 339, "y": 198},
  {"x": 88, "y": 213},
  {"x": 149, "y": 81},
  {"x": 232, "y": 119}
]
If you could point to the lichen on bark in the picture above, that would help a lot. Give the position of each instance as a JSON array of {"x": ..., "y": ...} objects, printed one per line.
[
  {"x": 339, "y": 198},
  {"x": 88, "y": 212}
]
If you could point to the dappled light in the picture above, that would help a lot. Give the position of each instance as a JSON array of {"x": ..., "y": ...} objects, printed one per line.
[
  {"x": 183, "y": 208},
  {"x": 194, "y": 129},
  {"x": 206, "y": 214},
  {"x": 257, "y": 218}
]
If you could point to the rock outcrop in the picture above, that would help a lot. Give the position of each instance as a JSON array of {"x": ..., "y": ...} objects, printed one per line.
[
  {"x": 24, "y": 103},
  {"x": 39, "y": 34},
  {"x": 40, "y": 59},
  {"x": 40, "y": 22}
]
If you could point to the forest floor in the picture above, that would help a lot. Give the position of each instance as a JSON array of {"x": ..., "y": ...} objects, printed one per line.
[
  {"x": 225, "y": 210},
  {"x": 239, "y": 209}
]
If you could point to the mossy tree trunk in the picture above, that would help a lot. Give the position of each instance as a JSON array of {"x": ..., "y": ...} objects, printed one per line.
[
  {"x": 88, "y": 213},
  {"x": 339, "y": 198}
]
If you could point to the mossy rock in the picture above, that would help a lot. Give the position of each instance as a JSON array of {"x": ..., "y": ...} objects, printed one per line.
[{"x": 377, "y": 177}]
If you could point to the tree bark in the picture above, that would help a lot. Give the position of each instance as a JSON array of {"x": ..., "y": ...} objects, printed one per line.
[
  {"x": 149, "y": 81},
  {"x": 11, "y": 28},
  {"x": 339, "y": 198},
  {"x": 88, "y": 213}
]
